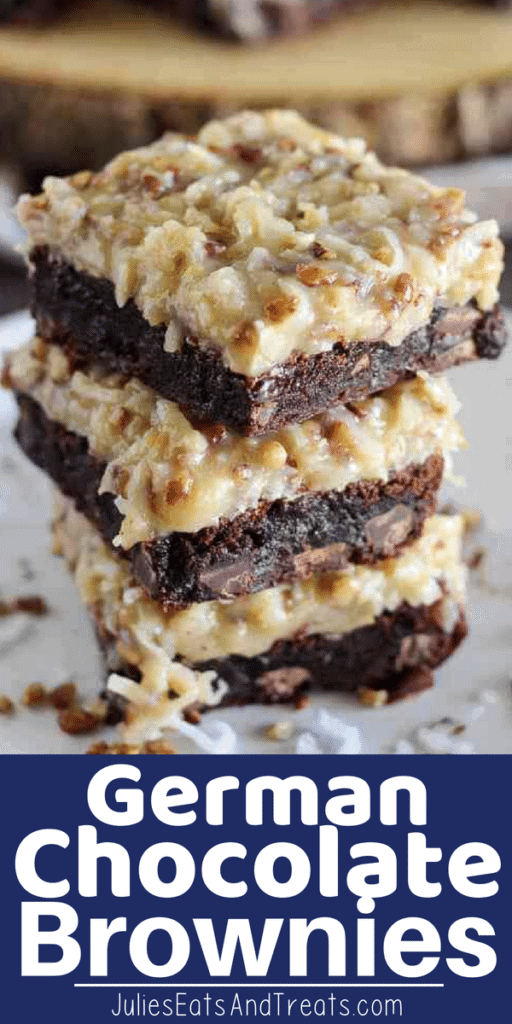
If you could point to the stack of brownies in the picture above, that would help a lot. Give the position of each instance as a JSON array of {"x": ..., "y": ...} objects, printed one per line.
[{"x": 231, "y": 386}]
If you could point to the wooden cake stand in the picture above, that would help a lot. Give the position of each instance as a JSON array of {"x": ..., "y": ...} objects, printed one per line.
[{"x": 424, "y": 82}]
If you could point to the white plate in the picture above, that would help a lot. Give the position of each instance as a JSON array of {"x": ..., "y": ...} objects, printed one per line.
[{"x": 474, "y": 687}]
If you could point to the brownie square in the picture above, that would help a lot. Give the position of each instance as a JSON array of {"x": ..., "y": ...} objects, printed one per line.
[{"x": 262, "y": 271}]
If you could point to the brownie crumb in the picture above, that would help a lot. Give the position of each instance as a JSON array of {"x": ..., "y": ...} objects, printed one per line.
[
  {"x": 35, "y": 694},
  {"x": 75, "y": 721},
  {"x": 302, "y": 701},
  {"x": 6, "y": 705}
]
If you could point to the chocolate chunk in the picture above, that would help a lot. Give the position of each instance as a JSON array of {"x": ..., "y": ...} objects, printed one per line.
[
  {"x": 283, "y": 683},
  {"x": 412, "y": 651},
  {"x": 335, "y": 556},
  {"x": 228, "y": 580},
  {"x": 388, "y": 531}
]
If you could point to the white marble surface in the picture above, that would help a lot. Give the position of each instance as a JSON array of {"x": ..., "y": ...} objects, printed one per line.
[{"x": 473, "y": 688}]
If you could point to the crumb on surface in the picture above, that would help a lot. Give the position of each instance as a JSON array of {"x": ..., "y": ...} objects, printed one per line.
[
  {"x": 63, "y": 696},
  {"x": 31, "y": 604},
  {"x": 458, "y": 729},
  {"x": 279, "y": 731},
  {"x": 6, "y": 705},
  {"x": 102, "y": 747},
  {"x": 34, "y": 694},
  {"x": 75, "y": 721},
  {"x": 372, "y": 698},
  {"x": 158, "y": 747},
  {"x": 150, "y": 747}
]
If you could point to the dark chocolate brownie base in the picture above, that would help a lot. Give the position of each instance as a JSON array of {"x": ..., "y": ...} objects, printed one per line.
[
  {"x": 79, "y": 312},
  {"x": 278, "y": 541},
  {"x": 396, "y": 653}
]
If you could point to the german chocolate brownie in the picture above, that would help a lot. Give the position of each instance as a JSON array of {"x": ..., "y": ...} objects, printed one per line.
[
  {"x": 204, "y": 514},
  {"x": 278, "y": 541},
  {"x": 262, "y": 271},
  {"x": 79, "y": 312},
  {"x": 368, "y": 627}
]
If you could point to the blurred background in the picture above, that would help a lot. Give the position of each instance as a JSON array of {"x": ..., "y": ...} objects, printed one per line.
[{"x": 428, "y": 84}]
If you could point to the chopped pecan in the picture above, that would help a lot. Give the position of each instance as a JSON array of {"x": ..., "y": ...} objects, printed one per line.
[
  {"x": 76, "y": 721},
  {"x": 35, "y": 693},
  {"x": 63, "y": 696},
  {"x": 315, "y": 277}
]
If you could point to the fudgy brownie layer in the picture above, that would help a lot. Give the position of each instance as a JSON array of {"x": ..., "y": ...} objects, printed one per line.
[
  {"x": 394, "y": 653},
  {"x": 80, "y": 313},
  {"x": 276, "y": 542}
]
